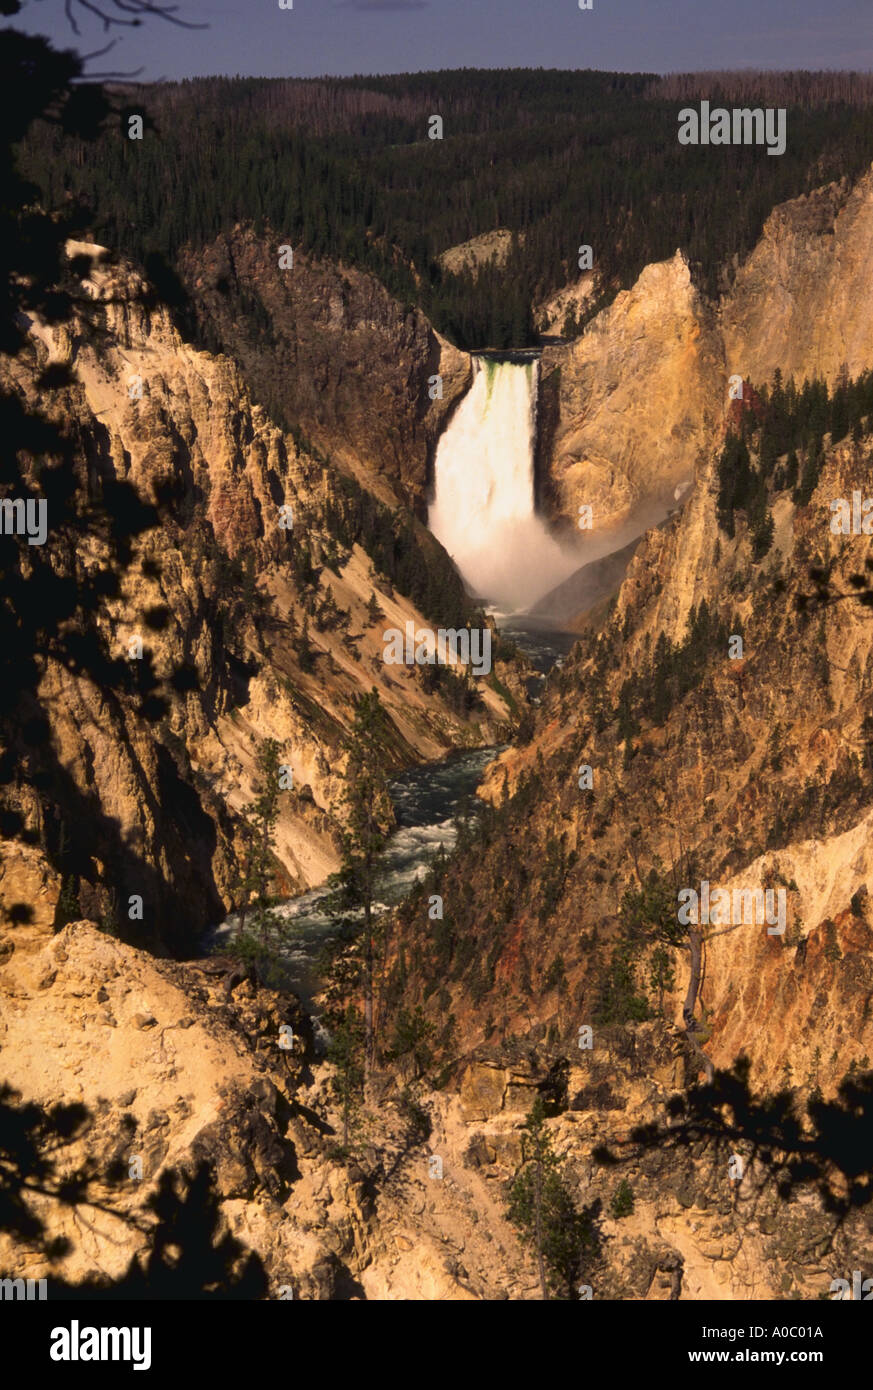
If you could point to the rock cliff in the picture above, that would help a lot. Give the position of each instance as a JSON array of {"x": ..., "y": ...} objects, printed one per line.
[
  {"x": 171, "y": 1070},
  {"x": 330, "y": 351},
  {"x": 257, "y": 622},
  {"x": 633, "y": 403},
  {"x": 632, "y": 406},
  {"x": 757, "y": 778},
  {"x": 801, "y": 300}
]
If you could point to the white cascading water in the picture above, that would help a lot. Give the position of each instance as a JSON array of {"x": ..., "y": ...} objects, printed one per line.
[{"x": 483, "y": 506}]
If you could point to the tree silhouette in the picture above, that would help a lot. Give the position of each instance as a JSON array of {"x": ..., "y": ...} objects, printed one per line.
[
  {"x": 188, "y": 1255},
  {"x": 52, "y": 594},
  {"x": 828, "y": 1149},
  {"x": 30, "y": 1140},
  {"x": 825, "y": 592}
]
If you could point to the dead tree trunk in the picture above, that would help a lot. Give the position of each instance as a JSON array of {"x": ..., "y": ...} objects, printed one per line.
[{"x": 695, "y": 939}]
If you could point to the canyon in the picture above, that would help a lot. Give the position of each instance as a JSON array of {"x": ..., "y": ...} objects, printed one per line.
[
  {"x": 175, "y": 1059},
  {"x": 196, "y": 425}
]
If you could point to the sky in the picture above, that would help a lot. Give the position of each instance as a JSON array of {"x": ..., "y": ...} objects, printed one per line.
[{"x": 343, "y": 37}]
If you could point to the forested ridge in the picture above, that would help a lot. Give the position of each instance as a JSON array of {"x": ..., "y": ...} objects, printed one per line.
[{"x": 344, "y": 168}]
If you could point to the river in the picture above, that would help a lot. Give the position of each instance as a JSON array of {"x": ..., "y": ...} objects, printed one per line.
[{"x": 426, "y": 800}]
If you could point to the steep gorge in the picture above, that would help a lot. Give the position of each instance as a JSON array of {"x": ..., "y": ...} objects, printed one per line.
[
  {"x": 146, "y": 806},
  {"x": 755, "y": 776},
  {"x": 741, "y": 783},
  {"x": 328, "y": 350},
  {"x": 760, "y": 772}
]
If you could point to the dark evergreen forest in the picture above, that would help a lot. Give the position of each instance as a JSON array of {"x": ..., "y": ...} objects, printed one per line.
[
  {"x": 345, "y": 169},
  {"x": 786, "y": 428}
]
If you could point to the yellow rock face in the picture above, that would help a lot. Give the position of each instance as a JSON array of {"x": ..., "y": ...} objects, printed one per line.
[{"x": 634, "y": 406}]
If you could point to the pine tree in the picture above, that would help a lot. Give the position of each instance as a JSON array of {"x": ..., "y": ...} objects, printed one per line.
[
  {"x": 762, "y": 534},
  {"x": 662, "y": 976},
  {"x": 541, "y": 1207},
  {"x": 259, "y": 817},
  {"x": 791, "y": 469},
  {"x": 807, "y": 485},
  {"x": 303, "y": 646},
  {"x": 369, "y": 813},
  {"x": 622, "y": 1203},
  {"x": 67, "y": 909},
  {"x": 346, "y": 1051},
  {"x": 411, "y": 1041}
]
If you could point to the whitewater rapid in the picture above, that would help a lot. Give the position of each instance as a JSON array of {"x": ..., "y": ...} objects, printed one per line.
[
  {"x": 483, "y": 505},
  {"x": 426, "y": 800}
]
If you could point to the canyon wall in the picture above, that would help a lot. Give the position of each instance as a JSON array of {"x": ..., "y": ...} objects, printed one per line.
[
  {"x": 632, "y": 406},
  {"x": 329, "y": 350},
  {"x": 739, "y": 773},
  {"x": 757, "y": 775},
  {"x": 219, "y": 594},
  {"x": 756, "y": 778},
  {"x": 627, "y": 410},
  {"x": 637, "y": 401},
  {"x": 801, "y": 300}
]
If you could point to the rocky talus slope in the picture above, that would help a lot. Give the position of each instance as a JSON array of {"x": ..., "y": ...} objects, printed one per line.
[
  {"x": 492, "y": 247},
  {"x": 223, "y": 592}
]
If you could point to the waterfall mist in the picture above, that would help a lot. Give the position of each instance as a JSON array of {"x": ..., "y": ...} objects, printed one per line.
[{"x": 483, "y": 506}]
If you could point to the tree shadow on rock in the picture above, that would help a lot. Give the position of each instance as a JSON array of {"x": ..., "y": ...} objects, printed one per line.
[
  {"x": 189, "y": 1256},
  {"x": 829, "y": 1149}
]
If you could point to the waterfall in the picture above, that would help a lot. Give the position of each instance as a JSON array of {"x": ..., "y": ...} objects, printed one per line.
[{"x": 483, "y": 506}]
